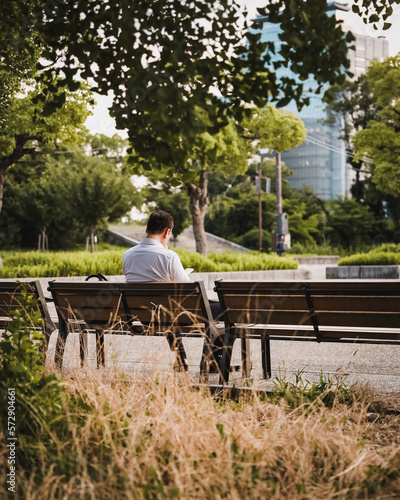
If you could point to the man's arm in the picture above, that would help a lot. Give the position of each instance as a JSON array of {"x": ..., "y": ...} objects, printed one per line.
[{"x": 177, "y": 271}]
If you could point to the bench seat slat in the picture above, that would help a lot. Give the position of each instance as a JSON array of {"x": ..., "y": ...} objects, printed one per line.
[
  {"x": 336, "y": 332},
  {"x": 265, "y": 316},
  {"x": 325, "y": 318}
]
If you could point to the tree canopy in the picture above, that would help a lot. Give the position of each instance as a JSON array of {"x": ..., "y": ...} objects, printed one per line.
[
  {"x": 166, "y": 60},
  {"x": 378, "y": 145},
  {"x": 19, "y": 49},
  {"x": 275, "y": 129},
  {"x": 65, "y": 197},
  {"x": 30, "y": 131}
]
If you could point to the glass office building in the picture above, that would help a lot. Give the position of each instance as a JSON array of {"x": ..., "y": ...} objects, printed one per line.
[{"x": 320, "y": 163}]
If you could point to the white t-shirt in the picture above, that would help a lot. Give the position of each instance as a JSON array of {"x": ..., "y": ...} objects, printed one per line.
[{"x": 151, "y": 261}]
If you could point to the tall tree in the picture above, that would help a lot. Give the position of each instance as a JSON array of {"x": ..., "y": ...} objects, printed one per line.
[
  {"x": 20, "y": 47},
  {"x": 101, "y": 193},
  {"x": 223, "y": 153},
  {"x": 31, "y": 131},
  {"x": 354, "y": 105},
  {"x": 378, "y": 145},
  {"x": 62, "y": 196},
  {"x": 169, "y": 63},
  {"x": 275, "y": 129}
]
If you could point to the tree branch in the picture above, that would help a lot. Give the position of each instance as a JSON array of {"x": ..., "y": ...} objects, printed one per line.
[{"x": 20, "y": 150}]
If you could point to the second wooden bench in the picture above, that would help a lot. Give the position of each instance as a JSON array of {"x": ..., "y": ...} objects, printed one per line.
[{"x": 327, "y": 311}]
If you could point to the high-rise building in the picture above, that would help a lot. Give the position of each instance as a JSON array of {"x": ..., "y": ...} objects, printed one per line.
[{"x": 320, "y": 163}]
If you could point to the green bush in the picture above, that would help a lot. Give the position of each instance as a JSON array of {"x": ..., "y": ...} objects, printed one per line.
[
  {"x": 35, "y": 264},
  {"x": 311, "y": 250},
  {"x": 230, "y": 261},
  {"x": 386, "y": 254},
  {"x": 252, "y": 261},
  {"x": 37, "y": 396},
  {"x": 54, "y": 264}
]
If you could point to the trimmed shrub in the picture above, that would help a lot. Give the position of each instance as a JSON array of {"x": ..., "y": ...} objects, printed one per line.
[
  {"x": 386, "y": 254},
  {"x": 109, "y": 262}
]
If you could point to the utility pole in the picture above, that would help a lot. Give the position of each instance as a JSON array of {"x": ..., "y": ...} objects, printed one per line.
[
  {"x": 282, "y": 237},
  {"x": 278, "y": 171},
  {"x": 259, "y": 192},
  {"x": 259, "y": 212},
  {"x": 279, "y": 229}
]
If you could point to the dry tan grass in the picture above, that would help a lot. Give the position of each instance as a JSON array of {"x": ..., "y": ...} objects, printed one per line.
[{"x": 154, "y": 438}]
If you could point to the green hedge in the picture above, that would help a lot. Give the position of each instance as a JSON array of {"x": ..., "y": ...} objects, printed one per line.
[
  {"x": 35, "y": 264},
  {"x": 386, "y": 254},
  {"x": 54, "y": 264},
  {"x": 234, "y": 261}
]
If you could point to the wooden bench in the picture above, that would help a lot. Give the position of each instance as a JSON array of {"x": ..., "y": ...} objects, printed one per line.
[
  {"x": 10, "y": 300},
  {"x": 174, "y": 310},
  {"x": 326, "y": 311}
]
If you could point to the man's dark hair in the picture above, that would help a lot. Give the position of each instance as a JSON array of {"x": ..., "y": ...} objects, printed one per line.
[{"x": 158, "y": 221}]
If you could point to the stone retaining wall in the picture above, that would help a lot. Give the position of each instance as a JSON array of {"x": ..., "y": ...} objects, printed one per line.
[{"x": 363, "y": 272}]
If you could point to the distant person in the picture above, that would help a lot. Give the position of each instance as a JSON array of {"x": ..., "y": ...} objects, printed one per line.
[
  {"x": 281, "y": 245},
  {"x": 152, "y": 261}
]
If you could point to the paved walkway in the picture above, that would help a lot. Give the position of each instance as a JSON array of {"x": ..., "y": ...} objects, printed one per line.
[
  {"x": 185, "y": 240},
  {"x": 377, "y": 365}
]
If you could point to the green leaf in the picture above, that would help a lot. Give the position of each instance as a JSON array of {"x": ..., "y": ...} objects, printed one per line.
[
  {"x": 49, "y": 108},
  {"x": 175, "y": 182}
]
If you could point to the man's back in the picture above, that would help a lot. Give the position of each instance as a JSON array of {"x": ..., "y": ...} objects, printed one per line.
[{"x": 151, "y": 261}]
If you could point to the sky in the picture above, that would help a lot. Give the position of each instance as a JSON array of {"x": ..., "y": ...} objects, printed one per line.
[{"x": 101, "y": 122}]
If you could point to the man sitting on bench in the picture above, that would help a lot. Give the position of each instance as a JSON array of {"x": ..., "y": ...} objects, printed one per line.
[{"x": 151, "y": 260}]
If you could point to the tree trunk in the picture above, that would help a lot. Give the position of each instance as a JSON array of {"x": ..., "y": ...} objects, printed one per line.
[
  {"x": 92, "y": 239},
  {"x": 198, "y": 209},
  {"x": 2, "y": 180},
  {"x": 43, "y": 240}
]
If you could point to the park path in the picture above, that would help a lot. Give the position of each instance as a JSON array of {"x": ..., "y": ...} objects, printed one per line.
[
  {"x": 376, "y": 365},
  {"x": 184, "y": 241}
]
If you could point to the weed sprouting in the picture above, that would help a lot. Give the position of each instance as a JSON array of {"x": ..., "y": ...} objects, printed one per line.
[{"x": 301, "y": 392}]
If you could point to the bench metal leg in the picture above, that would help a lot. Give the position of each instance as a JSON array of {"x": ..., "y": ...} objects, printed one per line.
[
  {"x": 206, "y": 360},
  {"x": 83, "y": 347},
  {"x": 60, "y": 344},
  {"x": 100, "y": 348},
  {"x": 176, "y": 344},
  {"x": 229, "y": 339},
  {"x": 245, "y": 344},
  {"x": 266, "y": 356}
]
